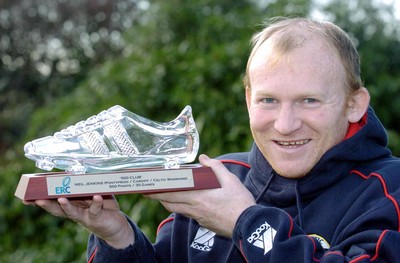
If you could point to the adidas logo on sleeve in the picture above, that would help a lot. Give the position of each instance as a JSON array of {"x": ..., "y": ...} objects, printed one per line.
[
  {"x": 263, "y": 237},
  {"x": 204, "y": 240}
]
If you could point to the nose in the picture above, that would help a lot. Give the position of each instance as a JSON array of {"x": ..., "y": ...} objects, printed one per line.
[{"x": 287, "y": 120}]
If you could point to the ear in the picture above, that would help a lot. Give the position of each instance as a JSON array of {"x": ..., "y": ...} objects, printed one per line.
[
  {"x": 248, "y": 97},
  {"x": 358, "y": 104}
]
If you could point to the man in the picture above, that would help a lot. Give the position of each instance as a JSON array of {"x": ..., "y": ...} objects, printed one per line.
[{"x": 319, "y": 184}]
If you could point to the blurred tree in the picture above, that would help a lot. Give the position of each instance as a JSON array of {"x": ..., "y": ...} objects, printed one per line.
[
  {"x": 47, "y": 47},
  {"x": 376, "y": 32}
]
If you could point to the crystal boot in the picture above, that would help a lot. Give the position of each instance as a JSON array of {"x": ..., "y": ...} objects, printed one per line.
[{"x": 117, "y": 139}]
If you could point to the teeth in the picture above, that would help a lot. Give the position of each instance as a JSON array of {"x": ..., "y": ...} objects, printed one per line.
[{"x": 292, "y": 143}]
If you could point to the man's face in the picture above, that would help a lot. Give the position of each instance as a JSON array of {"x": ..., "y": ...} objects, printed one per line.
[{"x": 297, "y": 107}]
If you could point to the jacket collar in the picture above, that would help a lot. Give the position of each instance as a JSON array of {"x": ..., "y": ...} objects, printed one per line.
[{"x": 367, "y": 142}]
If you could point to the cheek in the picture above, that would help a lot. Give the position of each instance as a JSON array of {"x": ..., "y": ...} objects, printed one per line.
[
  {"x": 326, "y": 118},
  {"x": 259, "y": 120},
  {"x": 334, "y": 129}
]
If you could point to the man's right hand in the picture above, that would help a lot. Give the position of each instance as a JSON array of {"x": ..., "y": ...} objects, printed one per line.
[{"x": 100, "y": 215}]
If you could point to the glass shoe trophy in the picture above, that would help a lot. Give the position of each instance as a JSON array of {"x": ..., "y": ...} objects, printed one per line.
[{"x": 116, "y": 152}]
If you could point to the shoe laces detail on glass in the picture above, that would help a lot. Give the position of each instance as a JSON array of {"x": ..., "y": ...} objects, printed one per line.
[{"x": 117, "y": 139}]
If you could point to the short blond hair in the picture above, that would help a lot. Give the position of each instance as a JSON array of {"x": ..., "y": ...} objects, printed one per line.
[{"x": 288, "y": 33}]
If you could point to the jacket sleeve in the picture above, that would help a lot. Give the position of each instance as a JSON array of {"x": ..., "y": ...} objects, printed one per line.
[
  {"x": 98, "y": 251},
  {"x": 267, "y": 234}
]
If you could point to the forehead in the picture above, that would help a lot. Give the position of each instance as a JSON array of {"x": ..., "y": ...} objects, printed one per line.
[
  {"x": 311, "y": 66},
  {"x": 306, "y": 52},
  {"x": 307, "y": 47}
]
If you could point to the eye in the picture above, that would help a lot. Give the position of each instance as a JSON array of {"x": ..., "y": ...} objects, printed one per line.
[
  {"x": 268, "y": 100},
  {"x": 310, "y": 100}
]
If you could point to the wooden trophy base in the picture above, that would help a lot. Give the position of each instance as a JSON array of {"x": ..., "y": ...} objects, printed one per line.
[{"x": 143, "y": 180}]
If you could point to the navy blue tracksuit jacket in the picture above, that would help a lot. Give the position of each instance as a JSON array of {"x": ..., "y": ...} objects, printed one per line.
[{"x": 345, "y": 210}]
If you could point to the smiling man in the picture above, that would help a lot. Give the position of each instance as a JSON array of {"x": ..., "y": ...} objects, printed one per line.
[
  {"x": 298, "y": 96},
  {"x": 318, "y": 185}
]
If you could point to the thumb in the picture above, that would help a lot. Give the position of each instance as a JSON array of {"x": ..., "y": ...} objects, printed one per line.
[
  {"x": 213, "y": 163},
  {"x": 204, "y": 160},
  {"x": 218, "y": 168}
]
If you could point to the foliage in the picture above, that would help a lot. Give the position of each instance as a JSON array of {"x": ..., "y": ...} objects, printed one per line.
[
  {"x": 376, "y": 32},
  {"x": 47, "y": 47},
  {"x": 169, "y": 54}
]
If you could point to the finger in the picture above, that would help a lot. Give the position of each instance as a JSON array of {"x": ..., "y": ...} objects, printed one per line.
[
  {"x": 51, "y": 206},
  {"x": 97, "y": 206},
  {"x": 32, "y": 203},
  {"x": 204, "y": 160},
  {"x": 177, "y": 208},
  {"x": 218, "y": 168},
  {"x": 183, "y": 197},
  {"x": 110, "y": 203},
  {"x": 213, "y": 163},
  {"x": 68, "y": 209}
]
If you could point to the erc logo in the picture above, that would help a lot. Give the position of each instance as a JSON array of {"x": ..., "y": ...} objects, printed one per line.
[{"x": 65, "y": 188}]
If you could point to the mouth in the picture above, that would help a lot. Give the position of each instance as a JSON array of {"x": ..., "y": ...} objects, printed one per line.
[{"x": 292, "y": 143}]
